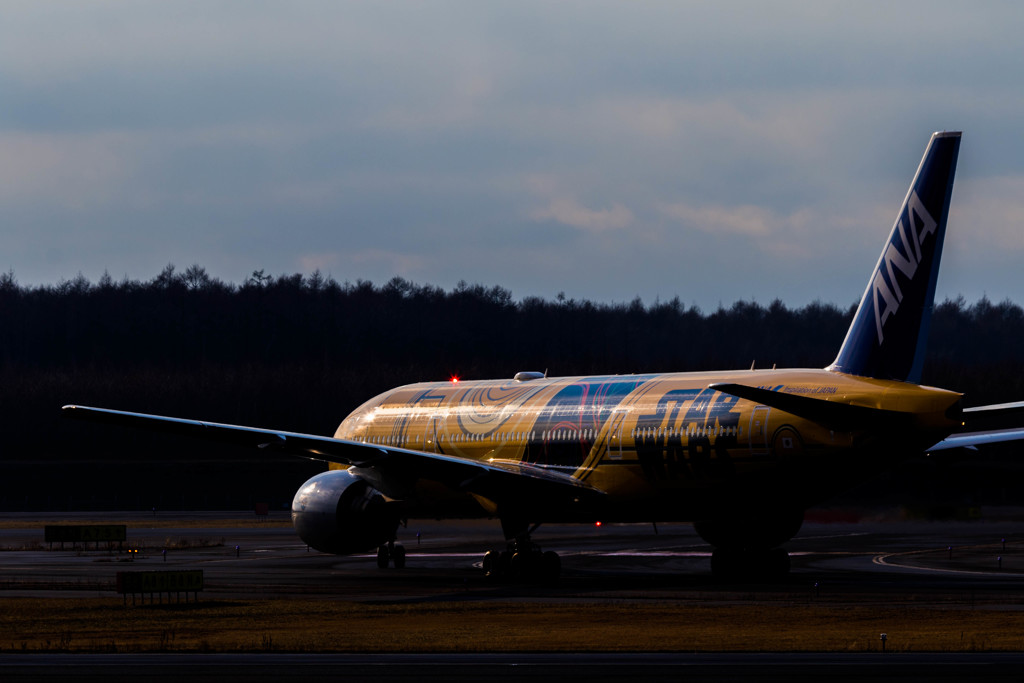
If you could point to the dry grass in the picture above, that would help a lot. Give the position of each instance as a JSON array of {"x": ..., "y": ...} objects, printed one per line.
[{"x": 104, "y": 625}]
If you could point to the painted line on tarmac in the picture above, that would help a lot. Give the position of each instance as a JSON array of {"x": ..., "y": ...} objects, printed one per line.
[{"x": 886, "y": 561}]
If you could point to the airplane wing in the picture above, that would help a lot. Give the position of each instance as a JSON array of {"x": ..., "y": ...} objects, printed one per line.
[{"x": 490, "y": 479}]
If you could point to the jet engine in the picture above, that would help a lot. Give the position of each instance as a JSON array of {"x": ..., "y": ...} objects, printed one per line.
[
  {"x": 339, "y": 512},
  {"x": 756, "y": 531},
  {"x": 746, "y": 544}
]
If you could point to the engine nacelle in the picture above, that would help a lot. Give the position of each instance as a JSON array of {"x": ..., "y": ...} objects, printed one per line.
[
  {"x": 338, "y": 512},
  {"x": 756, "y": 531}
]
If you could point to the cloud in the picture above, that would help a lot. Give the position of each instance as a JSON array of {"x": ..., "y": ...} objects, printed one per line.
[
  {"x": 322, "y": 262},
  {"x": 793, "y": 121},
  {"x": 794, "y": 235},
  {"x": 397, "y": 262},
  {"x": 988, "y": 213},
  {"x": 371, "y": 263},
  {"x": 568, "y": 211},
  {"x": 441, "y": 141},
  {"x": 562, "y": 206},
  {"x": 753, "y": 221},
  {"x": 73, "y": 170}
]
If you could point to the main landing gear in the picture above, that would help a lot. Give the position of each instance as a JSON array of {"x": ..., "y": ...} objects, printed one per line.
[
  {"x": 735, "y": 564},
  {"x": 391, "y": 553},
  {"x": 522, "y": 560},
  {"x": 746, "y": 542}
]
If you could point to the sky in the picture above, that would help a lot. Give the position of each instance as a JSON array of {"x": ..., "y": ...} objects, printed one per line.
[{"x": 710, "y": 151}]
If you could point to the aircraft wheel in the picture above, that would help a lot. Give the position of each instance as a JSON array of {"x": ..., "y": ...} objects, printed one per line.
[
  {"x": 519, "y": 566},
  {"x": 398, "y": 556},
  {"x": 727, "y": 564},
  {"x": 531, "y": 565},
  {"x": 383, "y": 556},
  {"x": 730, "y": 564},
  {"x": 504, "y": 563},
  {"x": 551, "y": 566},
  {"x": 491, "y": 564},
  {"x": 497, "y": 565}
]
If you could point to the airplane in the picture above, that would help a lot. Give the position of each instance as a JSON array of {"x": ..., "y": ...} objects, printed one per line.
[{"x": 741, "y": 454}]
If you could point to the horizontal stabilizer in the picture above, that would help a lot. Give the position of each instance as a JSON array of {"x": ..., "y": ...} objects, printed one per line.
[
  {"x": 997, "y": 423},
  {"x": 972, "y": 440},
  {"x": 994, "y": 417},
  {"x": 841, "y": 417}
]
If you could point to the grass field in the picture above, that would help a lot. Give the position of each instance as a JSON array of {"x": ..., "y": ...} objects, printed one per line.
[
  {"x": 779, "y": 620},
  {"x": 105, "y": 625}
]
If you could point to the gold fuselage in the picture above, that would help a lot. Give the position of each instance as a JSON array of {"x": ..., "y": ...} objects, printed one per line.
[{"x": 661, "y": 444}]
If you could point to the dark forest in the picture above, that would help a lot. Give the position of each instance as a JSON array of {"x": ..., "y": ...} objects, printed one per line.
[{"x": 299, "y": 352}]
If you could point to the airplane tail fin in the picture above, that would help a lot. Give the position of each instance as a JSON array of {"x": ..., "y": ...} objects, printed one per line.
[{"x": 887, "y": 337}]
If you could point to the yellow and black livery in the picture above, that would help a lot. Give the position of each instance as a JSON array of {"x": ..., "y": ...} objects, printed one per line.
[{"x": 741, "y": 454}]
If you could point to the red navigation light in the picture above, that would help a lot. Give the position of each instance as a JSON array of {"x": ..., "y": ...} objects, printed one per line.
[
  {"x": 597, "y": 523},
  {"x": 455, "y": 379}
]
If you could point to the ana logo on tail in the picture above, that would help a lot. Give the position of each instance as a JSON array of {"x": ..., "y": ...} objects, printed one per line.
[
  {"x": 905, "y": 264},
  {"x": 887, "y": 337}
]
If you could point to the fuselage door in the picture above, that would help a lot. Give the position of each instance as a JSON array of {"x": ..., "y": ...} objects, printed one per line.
[
  {"x": 614, "y": 435},
  {"x": 757, "y": 432},
  {"x": 430, "y": 436}
]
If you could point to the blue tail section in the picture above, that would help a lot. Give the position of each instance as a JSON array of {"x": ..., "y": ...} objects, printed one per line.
[{"x": 887, "y": 337}]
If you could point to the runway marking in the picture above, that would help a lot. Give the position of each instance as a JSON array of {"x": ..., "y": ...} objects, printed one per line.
[
  {"x": 883, "y": 561},
  {"x": 849, "y": 534},
  {"x": 410, "y": 555},
  {"x": 651, "y": 553},
  {"x": 587, "y": 553}
]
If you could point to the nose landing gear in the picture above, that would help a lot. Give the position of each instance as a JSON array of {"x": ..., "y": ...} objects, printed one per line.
[{"x": 522, "y": 565}]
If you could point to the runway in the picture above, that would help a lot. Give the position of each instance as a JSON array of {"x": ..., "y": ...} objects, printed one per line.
[
  {"x": 951, "y": 565},
  {"x": 862, "y": 560}
]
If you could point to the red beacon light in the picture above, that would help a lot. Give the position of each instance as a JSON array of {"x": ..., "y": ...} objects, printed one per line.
[{"x": 454, "y": 379}]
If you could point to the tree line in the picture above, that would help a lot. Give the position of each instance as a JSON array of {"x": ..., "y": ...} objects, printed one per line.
[{"x": 298, "y": 352}]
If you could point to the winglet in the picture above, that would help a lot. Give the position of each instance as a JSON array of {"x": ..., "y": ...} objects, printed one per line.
[{"x": 887, "y": 337}]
